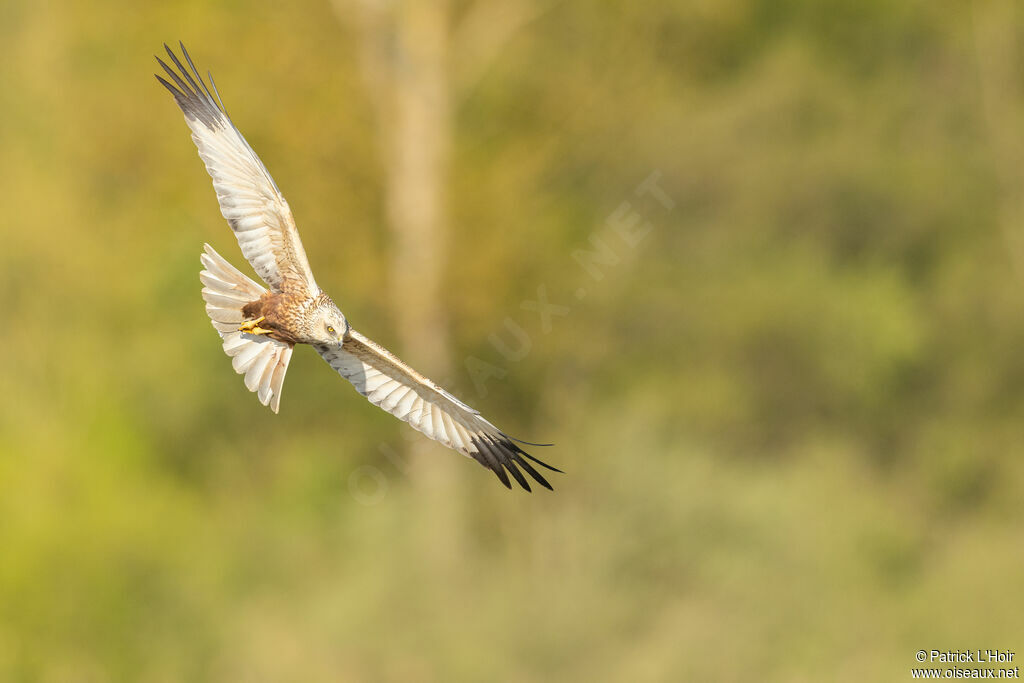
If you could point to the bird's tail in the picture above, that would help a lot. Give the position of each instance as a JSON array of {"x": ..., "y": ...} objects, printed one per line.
[{"x": 261, "y": 359}]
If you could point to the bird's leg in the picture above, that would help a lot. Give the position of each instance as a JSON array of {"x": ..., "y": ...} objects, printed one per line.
[{"x": 253, "y": 326}]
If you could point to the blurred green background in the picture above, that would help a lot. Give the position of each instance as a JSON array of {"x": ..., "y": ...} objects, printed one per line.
[{"x": 790, "y": 416}]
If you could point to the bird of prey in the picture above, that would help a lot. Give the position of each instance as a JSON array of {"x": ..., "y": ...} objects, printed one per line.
[{"x": 259, "y": 327}]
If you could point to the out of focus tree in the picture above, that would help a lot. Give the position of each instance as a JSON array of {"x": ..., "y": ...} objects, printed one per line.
[
  {"x": 416, "y": 59},
  {"x": 999, "y": 60}
]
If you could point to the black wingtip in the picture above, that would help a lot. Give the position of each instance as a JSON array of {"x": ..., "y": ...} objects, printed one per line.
[
  {"x": 514, "y": 471},
  {"x": 526, "y": 443},
  {"x": 500, "y": 472},
  {"x": 532, "y": 472},
  {"x": 540, "y": 462},
  {"x": 190, "y": 91},
  {"x": 499, "y": 454}
]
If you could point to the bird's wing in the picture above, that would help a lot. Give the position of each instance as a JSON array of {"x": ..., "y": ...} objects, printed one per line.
[
  {"x": 248, "y": 197},
  {"x": 395, "y": 387}
]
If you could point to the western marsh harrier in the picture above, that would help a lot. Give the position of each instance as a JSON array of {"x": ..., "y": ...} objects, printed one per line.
[{"x": 260, "y": 327}]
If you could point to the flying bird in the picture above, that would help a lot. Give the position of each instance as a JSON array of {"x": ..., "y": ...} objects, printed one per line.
[{"x": 260, "y": 327}]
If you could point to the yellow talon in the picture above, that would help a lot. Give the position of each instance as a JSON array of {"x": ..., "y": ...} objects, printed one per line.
[{"x": 253, "y": 326}]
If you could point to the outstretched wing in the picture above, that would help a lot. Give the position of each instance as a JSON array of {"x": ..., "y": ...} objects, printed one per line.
[
  {"x": 394, "y": 386},
  {"x": 248, "y": 197}
]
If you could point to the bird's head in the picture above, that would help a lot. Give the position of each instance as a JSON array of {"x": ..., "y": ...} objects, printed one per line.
[{"x": 329, "y": 324}]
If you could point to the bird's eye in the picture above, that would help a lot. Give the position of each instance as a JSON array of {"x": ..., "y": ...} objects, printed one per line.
[{"x": 330, "y": 329}]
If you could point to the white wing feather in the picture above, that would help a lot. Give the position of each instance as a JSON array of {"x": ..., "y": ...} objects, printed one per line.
[
  {"x": 249, "y": 199},
  {"x": 395, "y": 387},
  {"x": 262, "y": 360}
]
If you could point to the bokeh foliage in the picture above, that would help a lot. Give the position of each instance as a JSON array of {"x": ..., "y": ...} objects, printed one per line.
[{"x": 791, "y": 417}]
